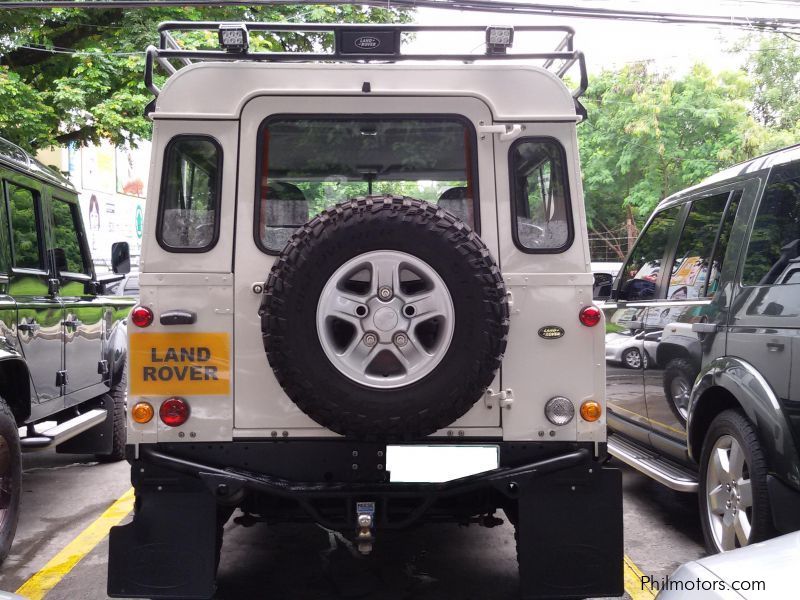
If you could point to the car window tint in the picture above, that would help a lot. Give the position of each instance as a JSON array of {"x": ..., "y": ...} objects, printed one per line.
[
  {"x": 310, "y": 164},
  {"x": 67, "y": 238},
  {"x": 190, "y": 194},
  {"x": 773, "y": 256},
  {"x": 722, "y": 244},
  {"x": 690, "y": 268},
  {"x": 640, "y": 274},
  {"x": 539, "y": 194},
  {"x": 27, "y": 252}
]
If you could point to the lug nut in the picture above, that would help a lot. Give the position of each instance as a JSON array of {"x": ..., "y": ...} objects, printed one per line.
[
  {"x": 385, "y": 293},
  {"x": 400, "y": 340},
  {"x": 370, "y": 339}
]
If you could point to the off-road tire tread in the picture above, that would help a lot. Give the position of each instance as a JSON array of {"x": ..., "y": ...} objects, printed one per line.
[
  {"x": 7, "y": 536},
  {"x": 333, "y": 223},
  {"x": 120, "y": 432},
  {"x": 735, "y": 423}
]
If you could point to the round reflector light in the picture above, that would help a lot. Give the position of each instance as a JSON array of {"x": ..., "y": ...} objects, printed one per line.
[
  {"x": 142, "y": 412},
  {"x": 174, "y": 411},
  {"x": 141, "y": 316},
  {"x": 559, "y": 410},
  {"x": 591, "y": 411},
  {"x": 590, "y": 316}
]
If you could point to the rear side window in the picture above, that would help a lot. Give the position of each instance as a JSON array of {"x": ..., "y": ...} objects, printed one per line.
[
  {"x": 308, "y": 164},
  {"x": 188, "y": 216},
  {"x": 540, "y": 198},
  {"x": 66, "y": 221},
  {"x": 773, "y": 255},
  {"x": 640, "y": 275},
  {"x": 24, "y": 217}
]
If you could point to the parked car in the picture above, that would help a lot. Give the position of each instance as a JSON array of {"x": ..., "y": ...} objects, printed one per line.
[
  {"x": 634, "y": 349},
  {"x": 302, "y": 320},
  {"x": 717, "y": 411},
  {"x": 63, "y": 345},
  {"x": 760, "y": 571}
]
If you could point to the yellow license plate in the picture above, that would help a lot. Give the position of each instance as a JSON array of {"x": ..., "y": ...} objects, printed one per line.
[{"x": 166, "y": 364}]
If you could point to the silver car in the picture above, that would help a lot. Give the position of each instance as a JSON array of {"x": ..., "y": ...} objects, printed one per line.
[{"x": 624, "y": 348}]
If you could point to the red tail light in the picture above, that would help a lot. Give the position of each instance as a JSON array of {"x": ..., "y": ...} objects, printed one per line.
[
  {"x": 174, "y": 411},
  {"x": 142, "y": 316},
  {"x": 590, "y": 316}
]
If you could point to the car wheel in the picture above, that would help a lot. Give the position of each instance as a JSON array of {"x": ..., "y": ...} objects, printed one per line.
[
  {"x": 632, "y": 358},
  {"x": 119, "y": 431},
  {"x": 734, "y": 506},
  {"x": 678, "y": 381},
  {"x": 10, "y": 478}
]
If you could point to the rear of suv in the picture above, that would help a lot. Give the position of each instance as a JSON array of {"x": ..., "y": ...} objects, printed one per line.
[
  {"x": 703, "y": 379},
  {"x": 349, "y": 263}
]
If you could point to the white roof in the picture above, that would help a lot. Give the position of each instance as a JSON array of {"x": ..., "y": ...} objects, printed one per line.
[{"x": 220, "y": 90}]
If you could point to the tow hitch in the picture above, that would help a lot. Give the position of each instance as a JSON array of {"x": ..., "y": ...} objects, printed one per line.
[{"x": 365, "y": 518}]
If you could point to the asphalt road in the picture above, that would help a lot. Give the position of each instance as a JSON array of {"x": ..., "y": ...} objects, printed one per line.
[{"x": 63, "y": 494}]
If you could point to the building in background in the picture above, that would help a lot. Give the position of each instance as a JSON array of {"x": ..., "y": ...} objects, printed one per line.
[{"x": 112, "y": 183}]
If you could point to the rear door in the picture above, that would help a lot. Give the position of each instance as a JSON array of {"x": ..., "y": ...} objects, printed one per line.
[{"x": 303, "y": 176}]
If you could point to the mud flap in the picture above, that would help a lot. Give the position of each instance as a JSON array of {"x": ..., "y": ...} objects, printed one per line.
[
  {"x": 570, "y": 534},
  {"x": 168, "y": 551}
]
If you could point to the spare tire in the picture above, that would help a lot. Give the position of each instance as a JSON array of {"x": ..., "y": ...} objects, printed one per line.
[{"x": 384, "y": 317}]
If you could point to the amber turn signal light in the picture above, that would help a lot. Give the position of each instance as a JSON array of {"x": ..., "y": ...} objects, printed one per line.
[
  {"x": 591, "y": 411},
  {"x": 142, "y": 412}
]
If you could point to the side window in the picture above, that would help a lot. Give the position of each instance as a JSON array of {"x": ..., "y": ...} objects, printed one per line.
[
  {"x": 773, "y": 256},
  {"x": 69, "y": 256},
  {"x": 190, "y": 194},
  {"x": 722, "y": 243},
  {"x": 690, "y": 270},
  {"x": 23, "y": 217},
  {"x": 539, "y": 195},
  {"x": 640, "y": 274}
]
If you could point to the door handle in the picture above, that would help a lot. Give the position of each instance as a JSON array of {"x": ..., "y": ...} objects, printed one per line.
[
  {"x": 28, "y": 327},
  {"x": 178, "y": 317},
  {"x": 775, "y": 346},
  {"x": 705, "y": 327},
  {"x": 72, "y": 324}
]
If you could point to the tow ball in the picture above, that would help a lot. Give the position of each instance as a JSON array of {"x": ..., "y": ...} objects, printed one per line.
[{"x": 365, "y": 521}]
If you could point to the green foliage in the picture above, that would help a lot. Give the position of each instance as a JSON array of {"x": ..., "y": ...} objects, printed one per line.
[
  {"x": 53, "y": 98},
  {"x": 774, "y": 69}
]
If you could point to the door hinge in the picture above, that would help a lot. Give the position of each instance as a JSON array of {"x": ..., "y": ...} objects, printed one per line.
[
  {"x": 506, "y": 132},
  {"x": 504, "y": 398},
  {"x": 61, "y": 378}
]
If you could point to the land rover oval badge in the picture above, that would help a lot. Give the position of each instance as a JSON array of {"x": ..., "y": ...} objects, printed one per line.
[
  {"x": 367, "y": 42},
  {"x": 551, "y": 332}
]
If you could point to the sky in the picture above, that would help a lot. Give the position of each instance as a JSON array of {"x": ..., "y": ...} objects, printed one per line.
[{"x": 611, "y": 44}]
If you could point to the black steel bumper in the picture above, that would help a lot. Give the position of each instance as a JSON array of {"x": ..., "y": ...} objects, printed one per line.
[{"x": 567, "y": 508}]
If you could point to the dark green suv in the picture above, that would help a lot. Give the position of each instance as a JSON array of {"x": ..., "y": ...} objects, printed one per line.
[
  {"x": 62, "y": 342},
  {"x": 709, "y": 302}
]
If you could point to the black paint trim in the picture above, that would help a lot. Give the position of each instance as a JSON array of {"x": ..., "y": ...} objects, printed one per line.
[
  {"x": 162, "y": 192},
  {"x": 565, "y": 181}
]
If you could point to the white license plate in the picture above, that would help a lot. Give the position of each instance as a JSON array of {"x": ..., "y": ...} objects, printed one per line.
[{"x": 434, "y": 464}]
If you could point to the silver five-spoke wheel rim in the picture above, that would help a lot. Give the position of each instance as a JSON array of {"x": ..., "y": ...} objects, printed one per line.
[
  {"x": 385, "y": 319},
  {"x": 729, "y": 492},
  {"x": 680, "y": 391}
]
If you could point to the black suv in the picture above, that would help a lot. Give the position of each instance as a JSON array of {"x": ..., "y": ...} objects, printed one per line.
[
  {"x": 62, "y": 344},
  {"x": 709, "y": 302}
]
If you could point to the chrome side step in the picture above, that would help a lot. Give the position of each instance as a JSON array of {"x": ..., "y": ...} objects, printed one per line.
[
  {"x": 651, "y": 464},
  {"x": 64, "y": 431}
]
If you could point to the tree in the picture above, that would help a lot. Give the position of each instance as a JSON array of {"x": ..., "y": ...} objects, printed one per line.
[
  {"x": 649, "y": 135},
  {"x": 75, "y": 76},
  {"x": 774, "y": 68}
]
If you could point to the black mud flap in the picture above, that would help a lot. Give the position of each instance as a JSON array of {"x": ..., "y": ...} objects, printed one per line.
[
  {"x": 570, "y": 534},
  {"x": 169, "y": 549}
]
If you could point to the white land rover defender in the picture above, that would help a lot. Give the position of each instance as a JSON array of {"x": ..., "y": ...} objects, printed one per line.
[{"x": 348, "y": 257}]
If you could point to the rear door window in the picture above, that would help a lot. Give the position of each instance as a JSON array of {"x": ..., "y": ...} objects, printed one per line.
[
  {"x": 68, "y": 234},
  {"x": 188, "y": 216},
  {"x": 24, "y": 223},
  {"x": 773, "y": 254},
  {"x": 641, "y": 273},
  {"x": 308, "y": 164}
]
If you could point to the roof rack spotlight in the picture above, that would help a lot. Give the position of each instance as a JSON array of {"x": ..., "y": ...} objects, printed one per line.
[
  {"x": 499, "y": 39},
  {"x": 233, "y": 37}
]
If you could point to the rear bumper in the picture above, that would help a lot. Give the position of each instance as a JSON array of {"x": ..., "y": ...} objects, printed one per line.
[{"x": 567, "y": 508}]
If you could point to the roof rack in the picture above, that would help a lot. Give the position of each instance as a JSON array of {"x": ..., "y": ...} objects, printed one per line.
[{"x": 361, "y": 43}]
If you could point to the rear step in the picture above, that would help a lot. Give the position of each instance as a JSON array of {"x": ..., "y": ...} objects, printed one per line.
[
  {"x": 651, "y": 464},
  {"x": 64, "y": 431}
]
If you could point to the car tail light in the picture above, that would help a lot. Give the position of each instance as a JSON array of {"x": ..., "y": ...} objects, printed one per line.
[
  {"x": 590, "y": 316},
  {"x": 174, "y": 411},
  {"x": 559, "y": 410},
  {"x": 142, "y": 412},
  {"x": 142, "y": 316},
  {"x": 591, "y": 411}
]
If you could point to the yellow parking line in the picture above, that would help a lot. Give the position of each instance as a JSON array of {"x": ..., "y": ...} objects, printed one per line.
[
  {"x": 633, "y": 582},
  {"x": 62, "y": 563}
]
